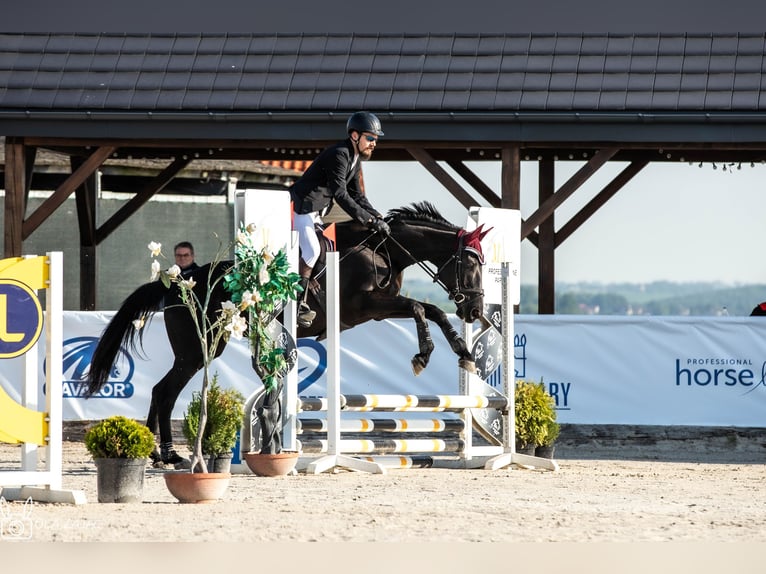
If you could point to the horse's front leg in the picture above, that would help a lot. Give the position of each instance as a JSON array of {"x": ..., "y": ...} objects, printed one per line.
[
  {"x": 425, "y": 343},
  {"x": 456, "y": 342},
  {"x": 404, "y": 307}
]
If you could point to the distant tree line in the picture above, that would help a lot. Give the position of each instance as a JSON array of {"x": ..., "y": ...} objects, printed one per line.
[{"x": 656, "y": 298}]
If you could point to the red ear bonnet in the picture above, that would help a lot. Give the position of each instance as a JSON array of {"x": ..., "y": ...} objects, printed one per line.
[{"x": 472, "y": 240}]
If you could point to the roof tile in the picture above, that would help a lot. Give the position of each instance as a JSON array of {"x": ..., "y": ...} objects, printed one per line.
[{"x": 421, "y": 72}]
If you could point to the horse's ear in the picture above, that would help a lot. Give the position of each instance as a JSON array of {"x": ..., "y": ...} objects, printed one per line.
[
  {"x": 482, "y": 234},
  {"x": 478, "y": 234}
]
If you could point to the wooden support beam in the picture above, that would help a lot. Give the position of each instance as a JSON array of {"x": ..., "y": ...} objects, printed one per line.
[
  {"x": 475, "y": 181},
  {"x": 15, "y": 191},
  {"x": 510, "y": 177},
  {"x": 49, "y": 206},
  {"x": 599, "y": 200},
  {"x": 546, "y": 246},
  {"x": 155, "y": 186},
  {"x": 442, "y": 176},
  {"x": 565, "y": 191},
  {"x": 85, "y": 199}
]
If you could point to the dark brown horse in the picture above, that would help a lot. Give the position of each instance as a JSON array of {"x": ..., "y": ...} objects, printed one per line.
[{"x": 371, "y": 270}]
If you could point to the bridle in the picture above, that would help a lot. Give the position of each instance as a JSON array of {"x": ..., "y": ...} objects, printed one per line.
[{"x": 460, "y": 292}]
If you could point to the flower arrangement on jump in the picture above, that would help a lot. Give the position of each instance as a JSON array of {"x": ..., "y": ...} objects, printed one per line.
[{"x": 259, "y": 282}]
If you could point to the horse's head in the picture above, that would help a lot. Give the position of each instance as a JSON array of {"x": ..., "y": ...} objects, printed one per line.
[{"x": 464, "y": 279}]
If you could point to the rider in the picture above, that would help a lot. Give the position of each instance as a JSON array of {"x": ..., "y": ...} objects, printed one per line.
[{"x": 334, "y": 175}]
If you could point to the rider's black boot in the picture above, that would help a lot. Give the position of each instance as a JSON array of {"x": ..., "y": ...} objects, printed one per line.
[{"x": 305, "y": 314}]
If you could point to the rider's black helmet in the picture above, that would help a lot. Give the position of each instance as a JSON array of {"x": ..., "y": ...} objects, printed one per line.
[{"x": 364, "y": 122}]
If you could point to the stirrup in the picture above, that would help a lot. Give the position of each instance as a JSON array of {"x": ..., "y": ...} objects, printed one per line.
[{"x": 305, "y": 315}]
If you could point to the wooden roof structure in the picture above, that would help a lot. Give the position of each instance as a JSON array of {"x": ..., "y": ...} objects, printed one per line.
[{"x": 443, "y": 99}]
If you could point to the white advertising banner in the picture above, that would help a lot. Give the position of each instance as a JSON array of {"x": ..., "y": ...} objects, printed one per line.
[
  {"x": 648, "y": 370},
  {"x": 600, "y": 370}
]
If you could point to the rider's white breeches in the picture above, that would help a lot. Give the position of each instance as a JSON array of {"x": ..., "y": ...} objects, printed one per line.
[{"x": 307, "y": 237}]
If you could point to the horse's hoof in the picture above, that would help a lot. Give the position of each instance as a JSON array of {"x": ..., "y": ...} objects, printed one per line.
[
  {"x": 468, "y": 365},
  {"x": 418, "y": 364},
  {"x": 178, "y": 462}
]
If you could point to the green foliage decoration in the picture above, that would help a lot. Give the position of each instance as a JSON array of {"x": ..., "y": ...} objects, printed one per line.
[
  {"x": 225, "y": 412},
  {"x": 119, "y": 437},
  {"x": 259, "y": 284},
  {"x": 535, "y": 415}
]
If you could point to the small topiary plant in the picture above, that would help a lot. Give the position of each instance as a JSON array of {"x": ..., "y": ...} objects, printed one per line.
[
  {"x": 225, "y": 411},
  {"x": 535, "y": 415},
  {"x": 119, "y": 437}
]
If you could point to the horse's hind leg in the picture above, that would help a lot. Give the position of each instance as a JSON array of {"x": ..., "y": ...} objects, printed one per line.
[{"x": 164, "y": 396}]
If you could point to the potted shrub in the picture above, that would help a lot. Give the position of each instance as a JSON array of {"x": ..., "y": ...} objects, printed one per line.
[
  {"x": 120, "y": 448},
  {"x": 547, "y": 448},
  {"x": 225, "y": 411},
  {"x": 535, "y": 417}
]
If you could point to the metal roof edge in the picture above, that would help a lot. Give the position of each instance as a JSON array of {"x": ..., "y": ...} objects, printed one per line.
[{"x": 632, "y": 116}]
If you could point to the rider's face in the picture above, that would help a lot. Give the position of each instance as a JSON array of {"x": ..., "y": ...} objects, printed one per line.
[{"x": 366, "y": 143}]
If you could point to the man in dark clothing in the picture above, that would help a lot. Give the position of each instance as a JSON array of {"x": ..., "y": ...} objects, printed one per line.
[
  {"x": 184, "y": 254},
  {"x": 334, "y": 176}
]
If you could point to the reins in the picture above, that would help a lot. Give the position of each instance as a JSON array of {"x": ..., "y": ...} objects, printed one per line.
[{"x": 458, "y": 294}]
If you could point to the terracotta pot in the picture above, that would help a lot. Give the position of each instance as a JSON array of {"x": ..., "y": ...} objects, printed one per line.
[
  {"x": 197, "y": 487},
  {"x": 271, "y": 464}
]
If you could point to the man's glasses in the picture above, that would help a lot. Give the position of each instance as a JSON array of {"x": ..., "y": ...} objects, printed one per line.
[{"x": 371, "y": 138}]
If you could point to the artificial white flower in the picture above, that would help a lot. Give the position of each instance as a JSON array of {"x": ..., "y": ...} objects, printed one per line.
[
  {"x": 155, "y": 270},
  {"x": 237, "y": 326},
  {"x": 155, "y": 248},
  {"x": 242, "y": 238},
  {"x": 263, "y": 275},
  {"x": 174, "y": 271},
  {"x": 268, "y": 257},
  {"x": 250, "y": 299},
  {"x": 189, "y": 283},
  {"x": 228, "y": 307},
  {"x": 251, "y": 228},
  {"x": 138, "y": 324}
]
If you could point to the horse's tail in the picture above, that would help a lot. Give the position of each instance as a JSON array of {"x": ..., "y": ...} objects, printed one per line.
[{"x": 122, "y": 331}]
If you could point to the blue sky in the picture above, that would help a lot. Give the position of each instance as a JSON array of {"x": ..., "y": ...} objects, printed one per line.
[{"x": 672, "y": 222}]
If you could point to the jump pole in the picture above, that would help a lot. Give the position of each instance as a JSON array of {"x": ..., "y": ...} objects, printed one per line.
[
  {"x": 501, "y": 282},
  {"x": 510, "y": 456},
  {"x": 335, "y": 402},
  {"x": 23, "y": 423},
  {"x": 334, "y": 459}
]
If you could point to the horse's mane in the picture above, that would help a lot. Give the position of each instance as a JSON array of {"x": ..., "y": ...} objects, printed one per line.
[{"x": 422, "y": 211}]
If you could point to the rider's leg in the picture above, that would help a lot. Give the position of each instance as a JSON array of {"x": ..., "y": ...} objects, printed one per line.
[{"x": 310, "y": 250}]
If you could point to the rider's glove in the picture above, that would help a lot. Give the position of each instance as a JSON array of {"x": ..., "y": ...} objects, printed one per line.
[{"x": 380, "y": 226}]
